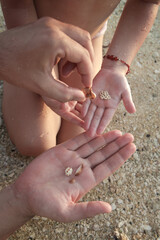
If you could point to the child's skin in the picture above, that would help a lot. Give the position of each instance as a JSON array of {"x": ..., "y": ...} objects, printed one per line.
[{"x": 35, "y": 127}]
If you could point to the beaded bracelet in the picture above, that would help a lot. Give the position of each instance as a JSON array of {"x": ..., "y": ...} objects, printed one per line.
[{"x": 114, "y": 58}]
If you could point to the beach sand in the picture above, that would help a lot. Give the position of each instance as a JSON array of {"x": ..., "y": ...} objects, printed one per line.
[{"x": 134, "y": 190}]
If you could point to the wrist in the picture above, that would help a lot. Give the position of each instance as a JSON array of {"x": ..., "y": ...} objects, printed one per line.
[
  {"x": 18, "y": 203},
  {"x": 115, "y": 64},
  {"x": 13, "y": 213}
]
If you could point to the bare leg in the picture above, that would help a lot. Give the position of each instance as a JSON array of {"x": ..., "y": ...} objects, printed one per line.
[
  {"x": 69, "y": 130},
  {"x": 31, "y": 125}
]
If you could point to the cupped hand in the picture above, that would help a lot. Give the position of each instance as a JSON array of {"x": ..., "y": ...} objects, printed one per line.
[
  {"x": 30, "y": 52},
  {"x": 70, "y": 111},
  {"x": 46, "y": 191},
  {"x": 97, "y": 113}
]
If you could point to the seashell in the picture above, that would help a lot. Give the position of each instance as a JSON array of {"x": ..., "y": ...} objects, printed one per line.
[
  {"x": 89, "y": 93},
  {"x": 79, "y": 170},
  {"x": 68, "y": 171},
  {"x": 72, "y": 180},
  {"x": 104, "y": 95}
]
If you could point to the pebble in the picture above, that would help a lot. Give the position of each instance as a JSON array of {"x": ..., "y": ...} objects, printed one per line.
[
  {"x": 139, "y": 64},
  {"x": 108, "y": 224},
  {"x": 156, "y": 143},
  {"x": 120, "y": 224},
  {"x": 146, "y": 227},
  {"x": 96, "y": 227},
  {"x": 85, "y": 229},
  {"x": 120, "y": 201},
  {"x": 32, "y": 235},
  {"x": 155, "y": 54},
  {"x": 156, "y": 71},
  {"x": 136, "y": 156},
  {"x": 113, "y": 205}
]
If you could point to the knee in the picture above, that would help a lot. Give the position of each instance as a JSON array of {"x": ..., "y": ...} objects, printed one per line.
[{"x": 29, "y": 147}]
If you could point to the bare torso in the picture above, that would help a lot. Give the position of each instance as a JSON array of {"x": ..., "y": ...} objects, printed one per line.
[{"x": 87, "y": 14}]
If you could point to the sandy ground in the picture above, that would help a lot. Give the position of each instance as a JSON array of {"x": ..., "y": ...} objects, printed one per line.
[{"x": 134, "y": 190}]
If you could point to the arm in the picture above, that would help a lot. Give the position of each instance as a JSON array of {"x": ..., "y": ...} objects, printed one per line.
[
  {"x": 134, "y": 25},
  {"x": 12, "y": 212},
  {"x": 45, "y": 176}
]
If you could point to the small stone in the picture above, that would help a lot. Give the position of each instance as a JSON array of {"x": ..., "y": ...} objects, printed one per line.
[
  {"x": 136, "y": 156},
  {"x": 113, "y": 205},
  {"x": 96, "y": 227},
  {"x": 111, "y": 199},
  {"x": 85, "y": 229},
  {"x": 156, "y": 71},
  {"x": 58, "y": 230},
  {"x": 148, "y": 135},
  {"x": 155, "y": 54},
  {"x": 146, "y": 227},
  {"x": 120, "y": 224},
  {"x": 116, "y": 233},
  {"x": 120, "y": 201},
  {"x": 32, "y": 235},
  {"x": 139, "y": 64},
  {"x": 11, "y": 175},
  {"x": 108, "y": 224},
  {"x": 123, "y": 237}
]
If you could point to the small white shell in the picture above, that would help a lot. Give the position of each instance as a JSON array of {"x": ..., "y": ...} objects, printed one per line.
[
  {"x": 79, "y": 170},
  {"x": 104, "y": 95},
  {"x": 68, "y": 171}
]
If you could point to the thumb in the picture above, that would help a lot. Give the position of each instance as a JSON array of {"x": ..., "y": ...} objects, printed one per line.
[
  {"x": 128, "y": 102},
  {"x": 84, "y": 210},
  {"x": 61, "y": 92}
]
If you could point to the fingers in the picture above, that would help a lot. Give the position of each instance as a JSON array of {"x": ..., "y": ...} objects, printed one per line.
[
  {"x": 81, "y": 36},
  {"x": 128, "y": 102},
  {"x": 69, "y": 116},
  {"x": 95, "y": 144},
  {"x": 96, "y": 118},
  {"x": 55, "y": 89},
  {"x": 84, "y": 210},
  {"x": 110, "y": 165},
  {"x": 105, "y": 120},
  {"x": 74, "y": 52},
  {"x": 95, "y": 121},
  {"x": 89, "y": 116},
  {"x": 76, "y": 142},
  {"x": 85, "y": 107},
  {"x": 110, "y": 149}
]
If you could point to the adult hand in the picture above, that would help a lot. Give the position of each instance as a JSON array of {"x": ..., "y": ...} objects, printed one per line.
[
  {"x": 98, "y": 113},
  {"x": 29, "y": 53},
  {"x": 43, "y": 188}
]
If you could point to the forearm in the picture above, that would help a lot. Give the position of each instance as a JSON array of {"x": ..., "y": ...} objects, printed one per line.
[
  {"x": 12, "y": 212},
  {"x": 134, "y": 25},
  {"x": 18, "y": 13}
]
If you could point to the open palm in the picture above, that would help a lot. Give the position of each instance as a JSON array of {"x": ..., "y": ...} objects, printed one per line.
[
  {"x": 98, "y": 113},
  {"x": 50, "y": 193}
]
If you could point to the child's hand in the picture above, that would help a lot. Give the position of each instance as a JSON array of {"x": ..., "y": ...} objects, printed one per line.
[
  {"x": 44, "y": 189},
  {"x": 98, "y": 113},
  {"x": 70, "y": 111}
]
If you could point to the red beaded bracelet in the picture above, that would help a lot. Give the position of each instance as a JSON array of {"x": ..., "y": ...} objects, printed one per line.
[{"x": 114, "y": 58}]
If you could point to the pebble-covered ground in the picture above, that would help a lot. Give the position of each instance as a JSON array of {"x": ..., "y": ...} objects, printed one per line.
[{"x": 134, "y": 190}]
